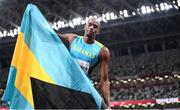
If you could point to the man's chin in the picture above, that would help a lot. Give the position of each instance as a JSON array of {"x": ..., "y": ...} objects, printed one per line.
[{"x": 90, "y": 36}]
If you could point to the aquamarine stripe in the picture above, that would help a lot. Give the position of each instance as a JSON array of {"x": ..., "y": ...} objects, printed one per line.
[
  {"x": 11, "y": 95},
  {"x": 8, "y": 93},
  {"x": 52, "y": 55},
  {"x": 19, "y": 102}
]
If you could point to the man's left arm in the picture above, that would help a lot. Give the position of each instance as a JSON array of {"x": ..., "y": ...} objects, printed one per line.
[{"x": 104, "y": 81}]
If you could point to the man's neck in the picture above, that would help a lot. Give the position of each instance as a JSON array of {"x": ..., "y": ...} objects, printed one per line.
[{"x": 89, "y": 40}]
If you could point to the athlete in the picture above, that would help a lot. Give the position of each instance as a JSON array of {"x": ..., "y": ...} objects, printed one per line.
[{"x": 88, "y": 52}]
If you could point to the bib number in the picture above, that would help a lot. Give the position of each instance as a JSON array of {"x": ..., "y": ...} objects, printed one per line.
[{"x": 84, "y": 65}]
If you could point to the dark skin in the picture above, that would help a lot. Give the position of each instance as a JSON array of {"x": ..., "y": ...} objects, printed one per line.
[{"x": 92, "y": 28}]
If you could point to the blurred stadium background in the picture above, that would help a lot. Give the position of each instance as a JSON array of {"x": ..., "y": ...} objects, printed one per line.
[{"x": 143, "y": 37}]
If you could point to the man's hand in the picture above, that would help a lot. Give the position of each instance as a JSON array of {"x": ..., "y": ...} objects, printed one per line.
[
  {"x": 67, "y": 38},
  {"x": 108, "y": 108}
]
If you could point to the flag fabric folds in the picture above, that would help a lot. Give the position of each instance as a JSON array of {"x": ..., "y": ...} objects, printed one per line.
[{"x": 43, "y": 74}]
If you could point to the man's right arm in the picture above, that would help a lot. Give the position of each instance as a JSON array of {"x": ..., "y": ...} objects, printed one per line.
[{"x": 67, "y": 38}]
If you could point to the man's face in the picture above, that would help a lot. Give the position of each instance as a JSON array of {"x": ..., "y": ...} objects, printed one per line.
[{"x": 92, "y": 27}]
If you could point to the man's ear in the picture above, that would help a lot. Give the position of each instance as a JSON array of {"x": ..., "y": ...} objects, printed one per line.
[
  {"x": 85, "y": 26},
  {"x": 98, "y": 31}
]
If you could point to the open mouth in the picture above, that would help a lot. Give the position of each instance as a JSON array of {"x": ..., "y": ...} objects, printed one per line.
[{"x": 90, "y": 31}]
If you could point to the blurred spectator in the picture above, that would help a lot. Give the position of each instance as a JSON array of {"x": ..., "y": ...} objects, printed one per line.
[
  {"x": 152, "y": 64},
  {"x": 132, "y": 67},
  {"x": 143, "y": 64},
  {"x": 154, "y": 92}
]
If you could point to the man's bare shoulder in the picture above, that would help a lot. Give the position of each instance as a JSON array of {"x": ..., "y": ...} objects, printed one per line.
[{"x": 104, "y": 53}]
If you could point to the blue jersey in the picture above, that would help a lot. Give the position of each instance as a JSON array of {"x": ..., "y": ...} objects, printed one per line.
[{"x": 87, "y": 55}]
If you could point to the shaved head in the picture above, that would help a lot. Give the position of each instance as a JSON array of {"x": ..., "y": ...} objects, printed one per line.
[
  {"x": 93, "y": 19},
  {"x": 92, "y": 28}
]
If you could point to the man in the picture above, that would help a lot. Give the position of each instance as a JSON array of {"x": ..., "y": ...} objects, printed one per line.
[{"x": 88, "y": 53}]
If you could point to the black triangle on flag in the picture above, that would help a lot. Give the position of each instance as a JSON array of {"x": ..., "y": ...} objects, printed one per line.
[{"x": 50, "y": 96}]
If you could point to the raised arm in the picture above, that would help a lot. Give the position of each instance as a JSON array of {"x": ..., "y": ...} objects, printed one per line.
[
  {"x": 104, "y": 81},
  {"x": 67, "y": 38}
]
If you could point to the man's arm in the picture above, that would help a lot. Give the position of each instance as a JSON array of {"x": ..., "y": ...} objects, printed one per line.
[
  {"x": 104, "y": 81},
  {"x": 67, "y": 38}
]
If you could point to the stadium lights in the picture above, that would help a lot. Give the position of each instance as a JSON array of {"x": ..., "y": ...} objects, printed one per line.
[
  {"x": 126, "y": 106},
  {"x": 163, "y": 103},
  {"x": 95, "y": 83},
  {"x": 76, "y": 21},
  {"x": 1, "y": 34},
  {"x": 117, "y": 82},
  {"x": 149, "y": 103},
  {"x": 176, "y": 7},
  {"x": 130, "y": 105},
  {"x": 142, "y": 80},
  {"x": 157, "y": 9},
  {"x": 124, "y": 81},
  {"x": 143, "y": 10},
  {"x": 176, "y": 75},
  {"x": 156, "y": 77},
  {"x": 1, "y": 90},
  {"x": 71, "y": 24},
  {"x": 148, "y": 9},
  {"x": 152, "y": 79},
  {"x": 170, "y": 6},
  {"x": 125, "y": 13},
  {"x": 178, "y": 2},
  {"x": 162, "y": 6},
  {"x": 166, "y": 6},
  {"x": 160, "y": 78},
  {"x": 113, "y": 16},
  {"x": 11, "y": 33},
  {"x": 121, "y": 80},
  {"x": 133, "y": 13},
  {"x": 144, "y": 105},
  {"x": 152, "y": 105},
  {"x": 147, "y": 78},
  {"x": 152, "y": 9},
  {"x": 139, "y": 79},
  {"x": 166, "y": 76},
  {"x": 139, "y": 103},
  {"x": 112, "y": 81},
  {"x": 105, "y": 17},
  {"x": 5, "y": 33},
  {"x": 120, "y": 12},
  {"x": 133, "y": 106}
]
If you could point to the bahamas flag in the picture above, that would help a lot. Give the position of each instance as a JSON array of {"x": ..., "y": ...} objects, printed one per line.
[{"x": 43, "y": 74}]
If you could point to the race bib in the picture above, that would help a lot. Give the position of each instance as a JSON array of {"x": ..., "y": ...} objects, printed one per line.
[{"x": 84, "y": 65}]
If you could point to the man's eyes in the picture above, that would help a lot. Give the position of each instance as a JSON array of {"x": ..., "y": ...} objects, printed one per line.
[{"x": 95, "y": 26}]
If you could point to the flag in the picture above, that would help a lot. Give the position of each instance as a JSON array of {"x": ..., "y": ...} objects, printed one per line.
[{"x": 43, "y": 74}]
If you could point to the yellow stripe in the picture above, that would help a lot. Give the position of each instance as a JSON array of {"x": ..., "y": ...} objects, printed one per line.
[
  {"x": 98, "y": 43},
  {"x": 17, "y": 50},
  {"x": 80, "y": 37},
  {"x": 27, "y": 66}
]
